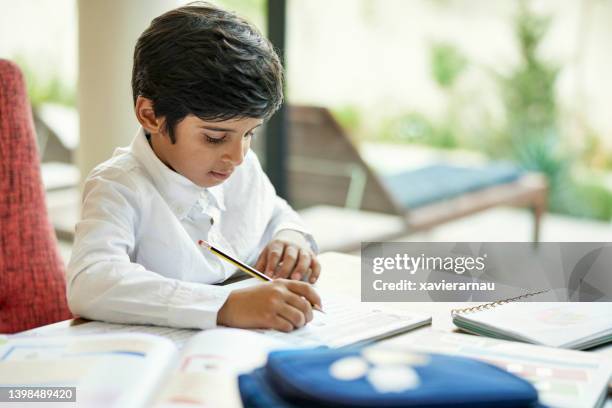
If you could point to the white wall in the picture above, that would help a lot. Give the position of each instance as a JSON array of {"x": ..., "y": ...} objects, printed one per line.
[
  {"x": 44, "y": 32},
  {"x": 108, "y": 31}
]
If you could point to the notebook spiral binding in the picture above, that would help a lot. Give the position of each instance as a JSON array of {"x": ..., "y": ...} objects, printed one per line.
[{"x": 491, "y": 305}]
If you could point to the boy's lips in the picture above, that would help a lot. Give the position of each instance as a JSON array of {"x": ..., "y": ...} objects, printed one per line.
[{"x": 221, "y": 175}]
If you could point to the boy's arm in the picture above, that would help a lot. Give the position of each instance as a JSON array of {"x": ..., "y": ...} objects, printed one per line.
[
  {"x": 282, "y": 217},
  {"x": 286, "y": 218},
  {"x": 103, "y": 283},
  {"x": 287, "y": 249}
]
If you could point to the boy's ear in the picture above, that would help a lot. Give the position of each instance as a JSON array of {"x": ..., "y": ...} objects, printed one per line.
[{"x": 146, "y": 115}]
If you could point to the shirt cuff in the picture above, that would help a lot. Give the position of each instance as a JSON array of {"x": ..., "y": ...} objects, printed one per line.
[
  {"x": 196, "y": 305},
  {"x": 299, "y": 228}
]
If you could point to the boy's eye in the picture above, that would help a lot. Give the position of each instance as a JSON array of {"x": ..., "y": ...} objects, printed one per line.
[
  {"x": 250, "y": 134},
  {"x": 214, "y": 140}
]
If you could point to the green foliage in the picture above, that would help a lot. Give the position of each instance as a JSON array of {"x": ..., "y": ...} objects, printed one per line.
[
  {"x": 591, "y": 199},
  {"x": 50, "y": 89},
  {"x": 349, "y": 117},
  {"x": 532, "y": 135},
  {"x": 417, "y": 128},
  {"x": 532, "y": 131},
  {"x": 528, "y": 92},
  {"x": 447, "y": 64}
]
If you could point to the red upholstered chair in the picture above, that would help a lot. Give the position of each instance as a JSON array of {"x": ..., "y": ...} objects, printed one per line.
[{"x": 32, "y": 279}]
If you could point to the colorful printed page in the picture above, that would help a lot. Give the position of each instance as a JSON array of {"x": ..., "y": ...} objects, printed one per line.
[
  {"x": 118, "y": 370},
  {"x": 563, "y": 378},
  {"x": 209, "y": 365},
  {"x": 567, "y": 325}
]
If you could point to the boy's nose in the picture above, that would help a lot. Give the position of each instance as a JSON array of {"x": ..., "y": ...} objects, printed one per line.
[{"x": 235, "y": 154}]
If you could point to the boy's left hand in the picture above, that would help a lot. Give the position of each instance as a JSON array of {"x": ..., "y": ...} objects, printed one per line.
[{"x": 289, "y": 256}]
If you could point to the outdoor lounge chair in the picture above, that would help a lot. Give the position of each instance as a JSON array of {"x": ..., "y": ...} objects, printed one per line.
[{"x": 327, "y": 175}]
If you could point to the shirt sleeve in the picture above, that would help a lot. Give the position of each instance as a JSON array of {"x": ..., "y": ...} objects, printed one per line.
[
  {"x": 104, "y": 284},
  {"x": 283, "y": 216}
]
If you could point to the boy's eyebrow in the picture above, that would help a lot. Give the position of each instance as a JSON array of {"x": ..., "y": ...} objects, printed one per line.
[{"x": 218, "y": 129}]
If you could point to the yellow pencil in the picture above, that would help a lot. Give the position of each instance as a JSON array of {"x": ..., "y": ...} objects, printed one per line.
[{"x": 242, "y": 266}]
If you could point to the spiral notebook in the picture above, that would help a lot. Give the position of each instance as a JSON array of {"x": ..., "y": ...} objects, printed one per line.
[{"x": 571, "y": 325}]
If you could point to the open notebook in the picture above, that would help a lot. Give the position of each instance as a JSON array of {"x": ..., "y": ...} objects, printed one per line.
[
  {"x": 575, "y": 325},
  {"x": 345, "y": 322}
]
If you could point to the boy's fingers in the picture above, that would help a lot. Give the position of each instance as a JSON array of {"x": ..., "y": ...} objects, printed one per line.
[
  {"x": 282, "y": 324},
  {"x": 304, "y": 289},
  {"x": 306, "y": 277},
  {"x": 316, "y": 270},
  {"x": 289, "y": 259},
  {"x": 301, "y": 266},
  {"x": 275, "y": 251},
  {"x": 261, "y": 261},
  {"x": 292, "y": 315},
  {"x": 300, "y": 303}
]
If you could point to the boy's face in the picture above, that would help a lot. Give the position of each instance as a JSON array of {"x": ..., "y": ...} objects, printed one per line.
[{"x": 206, "y": 153}]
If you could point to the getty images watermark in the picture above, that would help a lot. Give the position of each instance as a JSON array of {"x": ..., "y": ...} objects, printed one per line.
[{"x": 485, "y": 271}]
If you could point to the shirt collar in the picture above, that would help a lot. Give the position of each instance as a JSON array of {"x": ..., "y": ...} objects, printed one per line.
[{"x": 177, "y": 190}]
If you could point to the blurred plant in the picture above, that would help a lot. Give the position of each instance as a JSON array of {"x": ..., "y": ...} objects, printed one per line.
[
  {"x": 528, "y": 92},
  {"x": 446, "y": 64},
  {"x": 417, "y": 128},
  {"x": 49, "y": 89},
  {"x": 349, "y": 117},
  {"x": 595, "y": 197},
  {"x": 531, "y": 135},
  {"x": 594, "y": 153}
]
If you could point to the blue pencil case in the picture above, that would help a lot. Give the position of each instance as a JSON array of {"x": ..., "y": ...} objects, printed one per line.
[{"x": 381, "y": 377}]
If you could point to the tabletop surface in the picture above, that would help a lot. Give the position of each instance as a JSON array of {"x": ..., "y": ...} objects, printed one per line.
[{"x": 341, "y": 274}]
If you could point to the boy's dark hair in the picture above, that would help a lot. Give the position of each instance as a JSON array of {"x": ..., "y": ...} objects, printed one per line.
[{"x": 201, "y": 60}]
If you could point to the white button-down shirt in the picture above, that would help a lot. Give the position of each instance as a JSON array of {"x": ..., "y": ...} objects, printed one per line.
[{"x": 135, "y": 257}]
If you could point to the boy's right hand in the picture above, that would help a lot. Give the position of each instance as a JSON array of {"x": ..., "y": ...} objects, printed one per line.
[{"x": 281, "y": 304}]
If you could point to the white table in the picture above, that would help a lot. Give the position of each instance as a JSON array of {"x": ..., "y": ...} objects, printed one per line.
[{"x": 341, "y": 274}]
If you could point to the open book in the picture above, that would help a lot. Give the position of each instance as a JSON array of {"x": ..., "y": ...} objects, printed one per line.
[
  {"x": 136, "y": 369},
  {"x": 577, "y": 325},
  {"x": 142, "y": 370}
]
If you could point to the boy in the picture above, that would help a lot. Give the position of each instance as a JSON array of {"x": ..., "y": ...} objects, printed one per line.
[{"x": 203, "y": 80}]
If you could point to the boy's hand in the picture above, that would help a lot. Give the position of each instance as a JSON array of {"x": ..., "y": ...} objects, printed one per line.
[
  {"x": 282, "y": 305},
  {"x": 289, "y": 255}
]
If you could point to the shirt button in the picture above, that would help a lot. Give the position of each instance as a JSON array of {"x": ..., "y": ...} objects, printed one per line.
[{"x": 212, "y": 221}]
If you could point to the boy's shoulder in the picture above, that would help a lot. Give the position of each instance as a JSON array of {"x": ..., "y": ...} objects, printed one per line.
[{"x": 122, "y": 168}]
